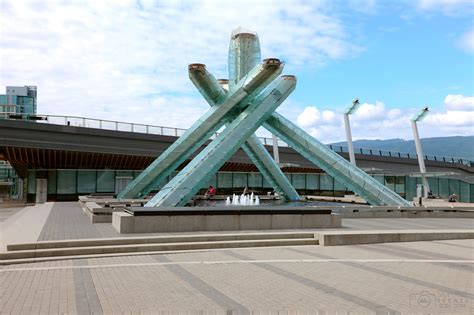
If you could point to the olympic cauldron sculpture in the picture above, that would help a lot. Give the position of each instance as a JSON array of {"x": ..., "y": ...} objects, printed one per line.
[{"x": 242, "y": 104}]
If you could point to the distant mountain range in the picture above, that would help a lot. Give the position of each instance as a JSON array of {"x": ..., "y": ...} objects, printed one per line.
[{"x": 458, "y": 146}]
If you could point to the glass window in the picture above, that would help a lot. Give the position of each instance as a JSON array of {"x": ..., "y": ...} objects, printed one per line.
[
  {"x": 390, "y": 182},
  {"x": 379, "y": 178},
  {"x": 106, "y": 181},
  {"x": 255, "y": 180},
  {"x": 124, "y": 173},
  {"x": 454, "y": 187},
  {"x": 67, "y": 181},
  {"x": 239, "y": 180},
  {"x": 338, "y": 186},
  {"x": 465, "y": 192},
  {"x": 312, "y": 181},
  {"x": 86, "y": 181},
  {"x": 410, "y": 188},
  {"x": 224, "y": 180},
  {"x": 400, "y": 185},
  {"x": 434, "y": 185},
  {"x": 32, "y": 182},
  {"x": 327, "y": 182},
  {"x": 52, "y": 182},
  {"x": 444, "y": 188},
  {"x": 298, "y": 181}
]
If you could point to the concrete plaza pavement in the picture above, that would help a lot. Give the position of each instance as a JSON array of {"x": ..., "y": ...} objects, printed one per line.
[
  {"x": 66, "y": 220},
  {"x": 417, "y": 277}
]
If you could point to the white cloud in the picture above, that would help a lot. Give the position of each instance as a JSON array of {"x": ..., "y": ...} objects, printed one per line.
[
  {"x": 364, "y": 6},
  {"x": 459, "y": 103},
  {"x": 310, "y": 116},
  {"x": 451, "y": 120},
  {"x": 466, "y": 41},
  {"x": 376, "y": 121},
  {"x": 117, "y": 58},
  {"x": 328, "y": 116},
  {"x": 447, "y": 7},
  {"x": 458, "y": 118},
  {"x": 370, "y": 111}
]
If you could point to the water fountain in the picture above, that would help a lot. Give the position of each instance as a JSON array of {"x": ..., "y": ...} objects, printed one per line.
[{"x": 242, "y": 200}]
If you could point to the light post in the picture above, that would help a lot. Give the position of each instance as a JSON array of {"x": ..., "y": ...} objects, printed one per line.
[
  {"x": 351, "y": 109},
  {"x": 419, "y": 151}
]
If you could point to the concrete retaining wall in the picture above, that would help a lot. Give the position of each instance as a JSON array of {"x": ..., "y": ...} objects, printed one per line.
[
  {"x": 373, "y": 237},
  {"x": 127, "y": 223},
  {"x": 404, "y": 213}
]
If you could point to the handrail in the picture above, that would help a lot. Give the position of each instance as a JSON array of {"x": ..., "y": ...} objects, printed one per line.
[{"x": 105, "y": 124}]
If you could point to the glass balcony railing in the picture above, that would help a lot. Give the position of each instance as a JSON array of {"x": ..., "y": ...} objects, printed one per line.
[{"x": 176, "y": 132}]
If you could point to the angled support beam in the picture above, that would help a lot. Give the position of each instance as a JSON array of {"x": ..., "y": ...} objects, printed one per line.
[
  {"x": 185, "y": 185},
  {"x": 332, "y": 163},
  {"x": 212, "y": 91},
  {"x": 250, "y": 86}
]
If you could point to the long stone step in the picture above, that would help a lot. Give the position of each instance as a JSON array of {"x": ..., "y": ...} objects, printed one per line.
[
  {"x": 56, "y": 258},
  {"x": 112, "y": 249},
  {"x": 157, "y": 239},
  {"x": 332, "y": 238}
]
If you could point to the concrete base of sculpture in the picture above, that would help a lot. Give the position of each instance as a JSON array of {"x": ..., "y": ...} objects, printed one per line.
[{"x": 155, "y": 220}]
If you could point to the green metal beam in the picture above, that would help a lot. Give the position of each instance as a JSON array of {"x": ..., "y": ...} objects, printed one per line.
[
  {"x": 253, "y": 147},
  {"x": 244, "y": 55},
  {"x": 249, "y": 86},
  {"x": 189, "y": 180},
  {"x": 332, "y": 163}
]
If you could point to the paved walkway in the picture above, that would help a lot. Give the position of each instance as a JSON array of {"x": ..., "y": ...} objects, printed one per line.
[
  {"x": 23, "y": 225},
  {"x": 66, "y": 220},
  {"x": 418, "y": 277}
]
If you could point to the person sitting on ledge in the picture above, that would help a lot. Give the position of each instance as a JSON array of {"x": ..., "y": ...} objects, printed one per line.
[
  {"x": 210, "y": 192},
  {"x": 452, "y": 198},
  {"x": 430, "y": 194},
  {"x": 246, "y": 191}
]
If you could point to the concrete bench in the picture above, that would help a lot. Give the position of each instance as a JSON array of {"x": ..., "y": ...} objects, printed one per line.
[{"x": 99, "y": 214}]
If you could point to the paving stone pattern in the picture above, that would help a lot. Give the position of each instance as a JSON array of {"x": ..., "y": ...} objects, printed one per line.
[
  {"x": 67, "y": 220},
  {"x": 252, "y": 281}
]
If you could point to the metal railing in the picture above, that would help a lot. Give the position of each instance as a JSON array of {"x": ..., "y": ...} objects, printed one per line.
[
  {"x": 395, "y": 154},
  {"x": 77, "y": 121},
  {"x": 104, "y": 124}
]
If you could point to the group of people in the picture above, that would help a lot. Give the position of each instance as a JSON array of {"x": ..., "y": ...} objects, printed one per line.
[
  {"x": 452, "y": 198},
  {"x": 212, "y": 192}
]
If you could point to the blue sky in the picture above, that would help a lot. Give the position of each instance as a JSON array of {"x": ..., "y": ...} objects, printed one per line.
[
  {"x": 406, "y": 61},
  {"x": 127, "y": 60}
]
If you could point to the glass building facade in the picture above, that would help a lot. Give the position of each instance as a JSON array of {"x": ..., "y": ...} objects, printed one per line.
[
  {"x": 10, "y": 183},
  {"x": 18, "y": 100},
  {"x": 67, "y": 184}
]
